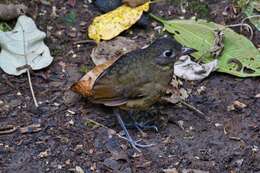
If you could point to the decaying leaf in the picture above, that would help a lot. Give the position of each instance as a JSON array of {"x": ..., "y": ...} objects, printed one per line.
[
  {"x": 111, "y": 24},
  {"x": 240, "y": 57},
  {"x": 218, "y": 45},
  {"x": 85, "y": 84},
  {"x": 23, "y": 48},
  {"x": 187, "y": 69},
  {"x": 112, "y": 50},
  {"x": 134, "y": 3},
  {"x": 236, "y": 105},
  {"x": 176, "y": 92}
]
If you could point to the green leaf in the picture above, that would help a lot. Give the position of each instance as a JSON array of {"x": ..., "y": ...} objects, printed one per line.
[
  {"x": 71, "y": 18},
  {"x": 4, "y": 27},
  {"x": 239, "y": 57},
  {"x": 252, "y": 9}
]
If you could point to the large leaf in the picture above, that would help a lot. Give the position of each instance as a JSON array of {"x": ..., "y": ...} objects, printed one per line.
[
  {"x": 252, "y": 9},
  {"x": 23, "y": 48},
  {"x": 111, "y": 24},
  {"x": 239, "y": 57}
]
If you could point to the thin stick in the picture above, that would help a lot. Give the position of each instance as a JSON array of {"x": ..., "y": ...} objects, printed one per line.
[
  {"x": 85, "y": 42},
  {"x": 250, "y": 17},
  {"x": 31, "y": 88},
  {"x": 97, "y": 123},
  {"x": 241, "y": 25},
  {"x": 201, "y": 114}
]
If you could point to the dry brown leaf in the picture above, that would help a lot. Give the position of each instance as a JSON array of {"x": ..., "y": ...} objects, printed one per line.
[
  {"x": 176, "y": 92},
  {"x": 236, "y": 105},
  {"x": 134, "y": 3},
  {"x": 85, "y": 84},
  {"x": 112, "y": 50}
]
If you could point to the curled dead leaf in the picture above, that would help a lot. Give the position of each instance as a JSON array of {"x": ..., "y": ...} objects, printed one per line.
[
  {"x": 112, "y": 50},
  {"x": 236, "y": 105},
  {"x": 176, "y": 92},
  {"x": 85, "y": 84}
]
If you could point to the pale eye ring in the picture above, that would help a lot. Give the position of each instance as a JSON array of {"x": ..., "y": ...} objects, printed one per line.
[{"x": 167, "y": 53}]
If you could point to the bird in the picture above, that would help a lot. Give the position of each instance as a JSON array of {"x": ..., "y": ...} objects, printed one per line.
[{"x": 138, "y": 79}]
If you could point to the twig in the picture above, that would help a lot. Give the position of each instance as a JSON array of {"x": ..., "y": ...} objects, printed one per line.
[
  {"x": 31, "y": 88},
  {"x": 97, "y": 123},
  {"x": 201, "y": 114},
  {"x": 84, "y": 42},
  {"x": 250, "y": 17},
  {"x": 241, "y": 25},
  {"x": 8, "y": 129}
]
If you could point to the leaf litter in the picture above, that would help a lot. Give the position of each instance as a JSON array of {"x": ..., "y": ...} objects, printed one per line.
[
  {"x": 23, "y": 50},
  {"x": 186, "y": 159},
  {"x": 239, "y": 56}
]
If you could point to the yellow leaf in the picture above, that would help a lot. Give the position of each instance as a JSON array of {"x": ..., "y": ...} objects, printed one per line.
[{"x": 111, "y": 24}]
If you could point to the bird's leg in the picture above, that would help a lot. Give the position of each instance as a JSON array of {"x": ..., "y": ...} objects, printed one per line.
[
  {"x": 144, "y": 125},
  {"x": 140, "y": 126},
  {"x": 133, "y": 143}
]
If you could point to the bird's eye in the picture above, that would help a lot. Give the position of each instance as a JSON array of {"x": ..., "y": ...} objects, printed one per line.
[{"x": 167, "y": 53}]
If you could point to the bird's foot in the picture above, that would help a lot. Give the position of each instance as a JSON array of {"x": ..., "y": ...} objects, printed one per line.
[{"x": 135, "y": 144}]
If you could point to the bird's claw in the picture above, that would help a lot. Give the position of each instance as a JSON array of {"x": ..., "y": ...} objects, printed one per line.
[{"x": 135, "y": 144}]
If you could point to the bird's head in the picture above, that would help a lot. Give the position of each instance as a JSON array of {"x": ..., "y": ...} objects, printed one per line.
[{"x": 166, "y": 51}]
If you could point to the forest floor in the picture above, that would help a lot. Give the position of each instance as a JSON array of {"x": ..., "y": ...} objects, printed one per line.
[{"x": 64, "y": 139}]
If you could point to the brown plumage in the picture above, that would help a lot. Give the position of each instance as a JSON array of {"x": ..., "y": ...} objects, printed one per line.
[{"x": 140, "y": 78}]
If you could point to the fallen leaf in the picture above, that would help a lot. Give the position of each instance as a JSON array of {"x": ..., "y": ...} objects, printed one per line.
[
  {"x": 112, "y": 50},
  {"x": 170, "y": 170},
  {"x": 240, "y": 57},
  {"x": 252, "y": 9},
  {"x": 187, "y": 69},
  {"x": 4, "y": 27},
  {"x": 85, "y": 84},
  {"x": 23, "y": 48},
  {"x": 176, "y": 92},
  {"x": 71, "y": 18},
  {"x": 111, "y": 24},
  {"x": 44, "y": 154},
  {"x": 236, "y": 105}
]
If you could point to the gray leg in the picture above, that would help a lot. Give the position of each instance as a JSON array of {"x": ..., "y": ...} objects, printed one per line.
[{"x": 133, "y": 143}]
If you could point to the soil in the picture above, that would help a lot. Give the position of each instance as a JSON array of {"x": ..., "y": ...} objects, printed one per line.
[{"x": 63, "y": 139}]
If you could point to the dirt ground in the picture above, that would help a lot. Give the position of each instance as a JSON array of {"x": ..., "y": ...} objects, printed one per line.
[{"x": 66, "y": 141}]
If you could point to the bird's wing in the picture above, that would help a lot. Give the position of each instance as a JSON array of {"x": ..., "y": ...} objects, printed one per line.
[
  {"x": 105, "y": 92},
  {"x": 127, "y": 79},
  {"x": 117, "y": 88}
]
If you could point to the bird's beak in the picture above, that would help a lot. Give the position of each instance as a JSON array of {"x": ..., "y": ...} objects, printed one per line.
[{"x": 187, "y": 51}]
